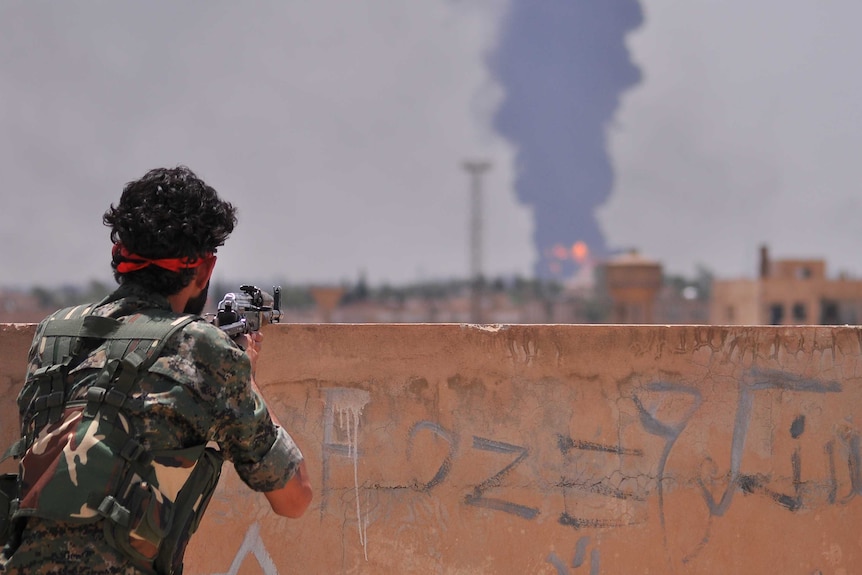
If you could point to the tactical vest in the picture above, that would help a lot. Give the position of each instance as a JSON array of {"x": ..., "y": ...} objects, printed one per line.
[{"x": 80, "y": 461}]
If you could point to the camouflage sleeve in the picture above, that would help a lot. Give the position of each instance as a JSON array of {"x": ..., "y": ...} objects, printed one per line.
[
  {"x": 276, "y": 468},
  {"x": 264, "y": 456}
]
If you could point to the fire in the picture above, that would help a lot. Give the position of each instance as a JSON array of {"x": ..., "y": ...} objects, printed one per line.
[
  {"x": 560, "y": 252},
  {"x": 580, "y": 252}
]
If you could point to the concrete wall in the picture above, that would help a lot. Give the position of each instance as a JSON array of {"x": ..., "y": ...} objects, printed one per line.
[{"x": 550, "y": 450}]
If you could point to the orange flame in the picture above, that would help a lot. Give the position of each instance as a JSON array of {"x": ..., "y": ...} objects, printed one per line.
[{"x": 580, "y": 252}]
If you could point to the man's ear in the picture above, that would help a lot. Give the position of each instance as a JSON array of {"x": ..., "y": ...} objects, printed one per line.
[{"x": 204, "y": 271}]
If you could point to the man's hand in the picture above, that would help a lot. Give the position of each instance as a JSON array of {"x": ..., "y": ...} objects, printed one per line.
[
  {"x": 294, "y": 498},
  {"x": 251, "y": 343}
]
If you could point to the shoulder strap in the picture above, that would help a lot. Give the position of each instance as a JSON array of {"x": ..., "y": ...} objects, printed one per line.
[
  {"x": 59, "y": 345},
  {"x": 133, "y": 344}
]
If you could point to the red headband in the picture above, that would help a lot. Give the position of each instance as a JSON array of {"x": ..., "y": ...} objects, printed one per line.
[{"x": 132, "y": 262}]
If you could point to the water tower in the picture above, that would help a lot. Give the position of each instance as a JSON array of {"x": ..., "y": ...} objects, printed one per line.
[{"x": 633, "y": 283}]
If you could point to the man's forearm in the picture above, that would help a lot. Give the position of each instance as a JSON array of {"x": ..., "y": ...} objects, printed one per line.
[{"x": 294, "y": 498}]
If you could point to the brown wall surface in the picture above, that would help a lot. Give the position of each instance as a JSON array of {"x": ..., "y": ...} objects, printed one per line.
[{"x": 454, "y": 449}]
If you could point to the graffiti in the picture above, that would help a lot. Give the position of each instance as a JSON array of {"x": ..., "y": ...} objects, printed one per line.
[
  {"x": 579, "y": 558},
  {"x": 347, "y": 404},
  {"x": 852, "y": 445},
  {"x": 669, "y": 431},
  {"x": 600, "y": 486},
  {"x": 446, "y": 465},
  {"x": 649, "y": 403},
  {"x": 478, "y": 498},
  {"x": 754, "y": 483},
  {"x": 758, "y": 380},
  {"x": 717, "y": 506},
  {"x": 252, "y": 545}
]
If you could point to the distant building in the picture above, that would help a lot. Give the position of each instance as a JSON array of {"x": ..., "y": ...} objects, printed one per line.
[
  {"x": 633, "y": 283},
  {"x": 681, "y": 307},
  {"x": 787, "y": 292},
  {"x": 628, "y": 289}
]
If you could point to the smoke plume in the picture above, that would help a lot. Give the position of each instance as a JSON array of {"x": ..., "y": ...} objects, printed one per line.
[{"x": 564, "y": 65}]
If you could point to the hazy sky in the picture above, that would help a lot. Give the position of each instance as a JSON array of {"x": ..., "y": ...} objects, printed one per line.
[
  {"x": 338, "y": 128},
  {"x": 746, "y": 128}
]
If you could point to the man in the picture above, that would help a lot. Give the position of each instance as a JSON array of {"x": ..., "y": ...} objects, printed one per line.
[{"x": 122, "y": 397}]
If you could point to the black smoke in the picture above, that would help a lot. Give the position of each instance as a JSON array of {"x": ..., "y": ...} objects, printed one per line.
[{"x": 564, "y": 65}]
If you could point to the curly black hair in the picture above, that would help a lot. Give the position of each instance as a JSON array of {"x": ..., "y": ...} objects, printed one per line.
[{"x": 168, "y": 213}]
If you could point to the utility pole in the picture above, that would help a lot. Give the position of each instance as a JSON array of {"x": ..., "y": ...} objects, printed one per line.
[{"x": 475, "y": 168}]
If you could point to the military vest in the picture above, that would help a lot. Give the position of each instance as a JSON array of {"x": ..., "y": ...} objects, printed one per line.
[{"x": 79, "y": 459}]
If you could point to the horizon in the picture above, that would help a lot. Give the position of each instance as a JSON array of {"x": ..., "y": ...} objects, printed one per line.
[{"x": 691, "y": 131}]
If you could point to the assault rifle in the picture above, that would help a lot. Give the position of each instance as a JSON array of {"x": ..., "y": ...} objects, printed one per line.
[{"x": 247, "y": 311}]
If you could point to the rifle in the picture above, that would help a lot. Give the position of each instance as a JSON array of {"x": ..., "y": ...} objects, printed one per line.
[{"x": 247, "y": 311}]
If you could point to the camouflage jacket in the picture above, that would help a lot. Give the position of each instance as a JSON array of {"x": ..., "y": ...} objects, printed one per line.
[{"x": 196, "y": 392}]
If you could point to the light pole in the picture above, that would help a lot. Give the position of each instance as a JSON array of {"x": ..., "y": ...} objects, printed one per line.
[{"x": 475, "y": 168}]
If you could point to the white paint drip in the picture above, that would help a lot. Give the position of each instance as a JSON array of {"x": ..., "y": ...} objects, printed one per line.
[{"x": 348, "y": 404}]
